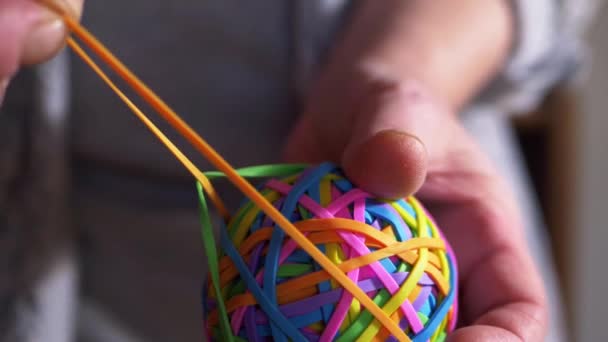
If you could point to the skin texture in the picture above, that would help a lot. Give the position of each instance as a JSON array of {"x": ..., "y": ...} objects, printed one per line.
[
  {"x": 30, "y": 34},
  {"x": 384, "y": 107}
]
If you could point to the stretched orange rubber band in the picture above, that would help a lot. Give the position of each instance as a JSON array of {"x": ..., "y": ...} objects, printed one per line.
[{"x": 222, "y": 165}]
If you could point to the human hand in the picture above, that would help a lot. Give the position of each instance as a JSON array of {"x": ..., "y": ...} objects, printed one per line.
[
  {"x": 394, "y": 139},
  {"x": 29, "y": 33},
  {"x": 385, "y": 108}
]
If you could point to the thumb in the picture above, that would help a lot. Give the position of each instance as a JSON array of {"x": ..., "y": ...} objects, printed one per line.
[
  {"x": 392, "y": 140},
  {"x": 30, "y": 32}
]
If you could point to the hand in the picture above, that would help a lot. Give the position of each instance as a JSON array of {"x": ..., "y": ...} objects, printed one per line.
[
  {"x": 396, "y": 138},
  {"x": 29, "y": 34},
  {"x": 384, "y": 107}
]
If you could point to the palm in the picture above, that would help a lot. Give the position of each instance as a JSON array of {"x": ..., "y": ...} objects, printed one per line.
[
  {"x": 501, "y": 296},
  {"x": 500, "y": 292}
]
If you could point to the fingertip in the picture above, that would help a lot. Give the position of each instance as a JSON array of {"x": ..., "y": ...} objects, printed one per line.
[
  {"x": 391, "y": 164},
  {"x": 39, "y": 32},
  {"x": 47, "y": 36},
  {"x": 44, "y": 40}
]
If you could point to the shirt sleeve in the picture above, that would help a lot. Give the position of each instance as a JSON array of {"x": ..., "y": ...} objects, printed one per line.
[{"x": 548, "y": 50}]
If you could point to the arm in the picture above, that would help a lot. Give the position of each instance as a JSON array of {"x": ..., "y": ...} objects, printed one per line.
[
  {"x": 384, "y": 107},
  {"x": 404, "y": 50},
  {"x": 429, "y": 41}
]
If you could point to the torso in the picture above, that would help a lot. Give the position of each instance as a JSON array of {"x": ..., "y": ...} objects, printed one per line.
[
  {"x": 227, "y": 68},
  {"x": 223, "y": 65}
]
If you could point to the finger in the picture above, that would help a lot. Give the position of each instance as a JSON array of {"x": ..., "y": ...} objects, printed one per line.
[
  {"x": 30, "y": 33},
  {"x": 503, "y": 296},
  {"x": 516, "y": 322},
  {"x": 393, "y": 139},
  {"x": 501, "y": 290},
  {"x": 303, "y": 145}
]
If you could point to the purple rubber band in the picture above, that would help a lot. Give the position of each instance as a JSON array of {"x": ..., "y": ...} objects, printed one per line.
[
  {"x": 354, "y": 242},
  {"x": 238, "y": 315},
  {"x": 313, "y": 303},
  {"x": 374, "y": 275}
]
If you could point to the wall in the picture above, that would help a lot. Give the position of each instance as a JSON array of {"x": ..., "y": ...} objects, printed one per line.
[{"x": 590, "y": 231}]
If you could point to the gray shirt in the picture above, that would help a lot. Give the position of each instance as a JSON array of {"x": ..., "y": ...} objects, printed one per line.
[{"x": 234, "y": 71}]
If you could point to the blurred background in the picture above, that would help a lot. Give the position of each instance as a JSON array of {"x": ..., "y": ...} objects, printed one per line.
[{"x": 567, "y": 154}]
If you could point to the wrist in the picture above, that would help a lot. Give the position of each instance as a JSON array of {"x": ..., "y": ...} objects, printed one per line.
[
  {"x": 453, "y": 49},
  {"x": 350, "y": 85}
]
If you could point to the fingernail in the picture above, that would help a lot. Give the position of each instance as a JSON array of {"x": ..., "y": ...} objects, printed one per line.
[
  {"x": 390, "y": 164},
  {"x": 387, "y": 133},
  {"x": 396, "y": 133}
]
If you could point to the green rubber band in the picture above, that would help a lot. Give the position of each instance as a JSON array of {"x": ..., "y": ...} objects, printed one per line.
[
  {"x": 260, "y": 171},
  {"x": 293, "y": 270},
  {"x": 223, "y": 331},
  {"x": 364, "y": 320},
  {"x": 237, "y": 289},
  {"x": 212, "y": 261}
]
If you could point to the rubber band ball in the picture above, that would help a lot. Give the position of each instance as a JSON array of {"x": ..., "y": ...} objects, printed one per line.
[{"x": 272, "y": 290}]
